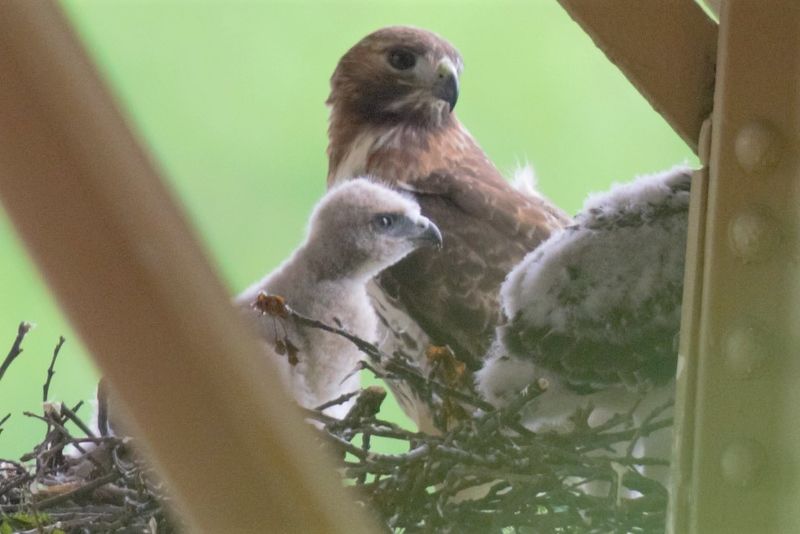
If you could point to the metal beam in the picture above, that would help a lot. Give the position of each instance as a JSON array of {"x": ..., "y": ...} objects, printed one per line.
[
  {"x": 666, "y": 48},
  {"x": 128, "y": 271},
  {"x": 738, "y": 430}
]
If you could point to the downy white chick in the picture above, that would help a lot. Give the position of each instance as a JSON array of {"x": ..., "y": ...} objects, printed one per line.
[
  {"x": 595, "y": 310},
  {"x": 358, "y": 229}
]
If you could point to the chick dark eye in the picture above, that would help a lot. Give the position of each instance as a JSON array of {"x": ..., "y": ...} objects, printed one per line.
[
  {"x": 402, "y": 59},
  {"x": 384, "y": 221}
]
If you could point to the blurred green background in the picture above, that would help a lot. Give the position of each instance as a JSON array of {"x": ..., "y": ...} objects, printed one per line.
[{"x": 229, "y": 98}]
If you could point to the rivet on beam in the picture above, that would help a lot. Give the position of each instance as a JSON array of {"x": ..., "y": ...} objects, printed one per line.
[
  {"x": 744, "y": 352},
  {"x": 752, "y": 235},
  {"x": 742, "y": 463},
  {"x": 758, "y": 147}
]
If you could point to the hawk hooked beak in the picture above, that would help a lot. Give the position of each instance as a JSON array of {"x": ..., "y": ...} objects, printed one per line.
[
  {"x": 446, "y": 85},
  {"x": 427, "y": 233}
]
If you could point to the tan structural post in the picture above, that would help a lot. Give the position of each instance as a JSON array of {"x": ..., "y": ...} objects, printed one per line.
[
  {"x": 126, "y": 268},
  {"x": 666, "y": 48},
  {"x": 738, "y": 425}
]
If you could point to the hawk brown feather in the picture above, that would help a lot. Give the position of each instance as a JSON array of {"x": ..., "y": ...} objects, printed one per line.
[{"x": 397, "y": 125}]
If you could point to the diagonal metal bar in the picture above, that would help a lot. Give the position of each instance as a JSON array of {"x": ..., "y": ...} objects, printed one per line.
[
  {"x": 666, "y": 48},
  {"x": 125, "y": 266}
]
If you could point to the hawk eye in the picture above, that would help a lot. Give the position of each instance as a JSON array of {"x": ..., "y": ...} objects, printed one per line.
[
  {"x": 402, "y": 59},
  {"x": 385, "y": 221}
]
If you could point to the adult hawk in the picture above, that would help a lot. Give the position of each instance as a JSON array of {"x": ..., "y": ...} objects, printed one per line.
[{"x": 392, "y": 99}]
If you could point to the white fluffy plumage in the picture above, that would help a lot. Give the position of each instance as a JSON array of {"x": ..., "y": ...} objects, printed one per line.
[
  {"x": 524, "y": 180},
  {"x": 358, "y": 229},
  {"x": 595, "y": 310}
]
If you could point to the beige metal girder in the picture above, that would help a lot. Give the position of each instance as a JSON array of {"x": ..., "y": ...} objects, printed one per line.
[
  {"x": 666, "y": 48},
  {"x": 737, "y": 453},
  {"x": 128, "y": 271},
  {"x": 737, "y": 431}
]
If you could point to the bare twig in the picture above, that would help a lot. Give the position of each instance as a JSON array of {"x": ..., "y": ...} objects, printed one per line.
[
  {"x": 65, "y": 434},
  {"x": 341, "y": 399},
  {"x": 72, "y": 416},
  {"x": 83, "y": 490},
  {"x": 16, "y": 347},
  {"x": 51, "y": 369},
  {"x": 391, "y": 366}
]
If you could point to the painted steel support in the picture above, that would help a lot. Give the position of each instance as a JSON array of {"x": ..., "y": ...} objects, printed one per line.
[
  {"x": 666, "y": 48},
  {"x": 738, "y": 426}
]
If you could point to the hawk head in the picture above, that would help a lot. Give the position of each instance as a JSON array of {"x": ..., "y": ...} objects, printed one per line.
[
  {"x": 397, "y": 75},
  {"x": 360, "y": 228}
]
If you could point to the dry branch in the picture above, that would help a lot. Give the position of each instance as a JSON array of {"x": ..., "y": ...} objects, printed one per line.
[
  {"x": 545, "y": 482},
  {"x": 16, "y": 347},
  {"x": 51, "y": 369},
  {"x": 75, "y": 483},
  {"x": 487, "y": 473}
]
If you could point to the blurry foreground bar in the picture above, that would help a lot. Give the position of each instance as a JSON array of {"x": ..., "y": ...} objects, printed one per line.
[{"x": 126, "y": 268}]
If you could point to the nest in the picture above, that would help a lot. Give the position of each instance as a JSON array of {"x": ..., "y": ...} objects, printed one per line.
[
  {"x": 484, "y": 472},
  {"x": 76, "y": 481}
]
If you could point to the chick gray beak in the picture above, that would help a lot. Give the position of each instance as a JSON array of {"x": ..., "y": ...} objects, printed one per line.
[
  {"x": 427, "y": 234},
  {"x": 446, "y": 85}
]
